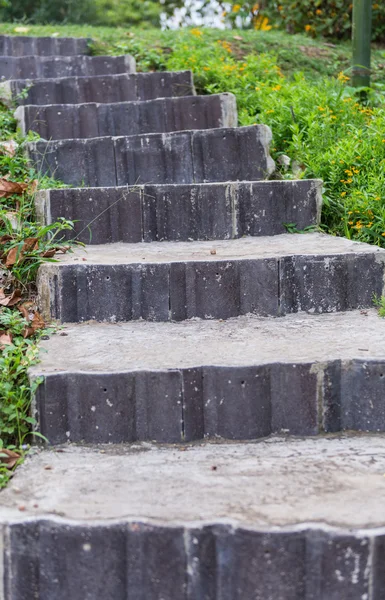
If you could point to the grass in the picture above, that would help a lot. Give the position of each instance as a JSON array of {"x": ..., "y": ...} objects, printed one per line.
[
  {"x": 298, "y": 86},
  {"x": 24, "y": 245}
]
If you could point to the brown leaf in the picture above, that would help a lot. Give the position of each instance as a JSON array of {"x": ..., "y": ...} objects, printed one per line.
[
  {"x": 13, "y": 255},
  {"x": 37, "y": 321},
  {"x": 49, "y": 253},
  {"x": 32, "y": 186},
  {"x": 6, "y": 238},
  {"x": 9, "y": 457},
  {"x": 30, "y": 244},
  {"x": 28, "y": 331},
  {"x": 26, "y": 308},
  {"x": 8, "y": 188},
  {"x": 8, "y": 148},
  {"x": 5, "y": 340},
  {"x": 10, "y": 299}
]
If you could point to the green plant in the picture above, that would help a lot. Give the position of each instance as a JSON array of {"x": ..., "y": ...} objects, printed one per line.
[{"x": 379, "y": 303}]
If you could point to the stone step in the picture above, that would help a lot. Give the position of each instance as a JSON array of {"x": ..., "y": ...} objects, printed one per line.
[
  {"x": 70, "y": 121},
  {"x": 195, "y": 156},
  {"x": 66, "y": 121},
  {"x": 102, "y": 89},
  {"x": 45, "y": 67},
  {"x": 11, "y": 45},
  {"x": 240, "y": 379},
  {"x": 299, "y": 520},
  {"x": 164, "y": 281},
  {"x": 200, "y": 211}
]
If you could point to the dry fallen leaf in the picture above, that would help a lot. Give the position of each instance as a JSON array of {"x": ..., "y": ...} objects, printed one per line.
[
  {"x": 5, "y": 340},
  {"x": 8, "y": 188},
  {"x": 9, "y": 457},
  {"x": 8, "y": 148},
  {"x": 16, "y": 255},
  {"x": 10, "y": 299}
]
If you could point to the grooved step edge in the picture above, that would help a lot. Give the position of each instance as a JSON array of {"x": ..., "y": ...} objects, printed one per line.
[
  {"x": 104, "y": 88},
  {"x": 198, "y": 156},
  {"x": 42, "y": 46},
  {"x": 206, "y": 211},
  {"x": 46, "y": 67},
  {"x": 69, "y": 121},
  {"x": 159, "y": 281},
  {"x": 241, "y": 379}
]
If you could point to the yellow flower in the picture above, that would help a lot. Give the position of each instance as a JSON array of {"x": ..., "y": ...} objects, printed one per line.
[
  {"x": 237, "y": 8},
  {"x": 318, "y": 11},
  {"x": 206, "y": 68},
  {"x": 383, "y": 233},
  {"x": 276, "y": 88},
  {"x": 255, "y": 7},
  {"x": 343, "y": 194},
  {"x": 321, "y": 108},
  {"x": 308, "y": 28},
  {"x": 21, "y": 29},
  {"x": 257, "y": 89},
  {"x": 268, "y": 112},
  {"x": 342, "y": 77},
  {"x": 197, "y": 32}
]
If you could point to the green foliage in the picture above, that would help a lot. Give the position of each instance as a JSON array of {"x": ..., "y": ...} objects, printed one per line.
[
  {"x": 379, "y": 303},
  {"x": 317, "y": 123},
  {"x": 315, "y": 17},
  {"x": 18, "y": 337},
  {"x": 96, "y": 12}
]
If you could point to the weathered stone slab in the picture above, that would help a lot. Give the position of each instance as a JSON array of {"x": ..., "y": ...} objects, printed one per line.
[
  {"x": 45, "y": 67},
  {"x": 101, "y": 89},
  {"x": 176, "y": 157},
  {"x": 183, "y": 382},
  {"x": 68, "y": 121},
  {"x": 183, "y": 212},
  {"x": 261, "y": 521},
  {"x": 182, "y": 280},
  {"x": 12, "y": 45}
]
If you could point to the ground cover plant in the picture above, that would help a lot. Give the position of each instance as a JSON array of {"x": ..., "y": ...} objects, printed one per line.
[
  {"x": 24, "y": 245},
  {"x": 298, "y": 86}
]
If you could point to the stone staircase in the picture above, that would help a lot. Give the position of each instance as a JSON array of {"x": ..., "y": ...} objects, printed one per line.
[{"x": 195, "y": 327}]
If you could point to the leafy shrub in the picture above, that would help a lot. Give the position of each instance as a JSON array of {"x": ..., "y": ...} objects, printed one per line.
[
  {"x": 319, "y": 124},
  {"x": 93, "y": 12},
  {"x": 315, "y": 17}
]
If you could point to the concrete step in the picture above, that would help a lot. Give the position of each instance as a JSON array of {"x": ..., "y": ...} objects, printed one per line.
[
  {"x": 66, "y": 121},
  {"x": 195, "y": 156},
  {"x": 240, "y": 379},
  {"x": 299, "y": 520},
  {"x": 45, "y": 67},
  {"x": 11, "y": 45},
  {"x": 200, "y": 211},
  {"x": 102, "y": 89},
  {"x": 164, "y": 281}
]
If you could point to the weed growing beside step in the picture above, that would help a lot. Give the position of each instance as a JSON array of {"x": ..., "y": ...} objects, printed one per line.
[{"x": 24, "y": 245}]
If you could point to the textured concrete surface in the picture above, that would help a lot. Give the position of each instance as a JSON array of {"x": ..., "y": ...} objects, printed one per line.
[
  {"x": 104, "y": 88},
  {"x": 241, "y": 379},
  {"x": 65, "y": 121},
  {"x": 277, "y": 482},
  {"x": 183, "y": 212},
  {"x": 268, "y": 276},
  {"x": 104, "y": 347},
  {"x": 45, "y": 67},
  {"x": 42, "y": 46},
  {"x": 222, "y": 154}
]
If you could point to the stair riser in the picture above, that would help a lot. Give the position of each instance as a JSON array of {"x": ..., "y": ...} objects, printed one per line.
[
  {"x": 180, "y": 157},
  {"x": 213, "y": 289},
  {"x": 182, "y": 213},
  {"x": 102, "y": 89},
  {"x": 140, "y": 561},
  {"x": 45, "y": 67},
  {"x": 236, "y": 403},
  {"x": 42, "y": 46},
  {"x": 60, "y": 122}
]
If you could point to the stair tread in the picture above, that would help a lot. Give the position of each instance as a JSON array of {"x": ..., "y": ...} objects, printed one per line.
[
  {"x": 243, "y": 341},
  {"x": 247, "y": 248},
  {"x": 273, "y": 483}
]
